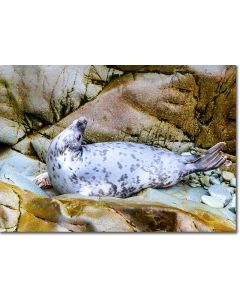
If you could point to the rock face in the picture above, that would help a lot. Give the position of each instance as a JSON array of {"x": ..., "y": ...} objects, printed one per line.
[
  {"x": 24, "y": 211},
  {"x": 171, "y": 106}
]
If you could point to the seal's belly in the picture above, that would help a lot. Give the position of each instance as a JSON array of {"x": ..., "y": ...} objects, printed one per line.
[{"x": 114, "y": 169}]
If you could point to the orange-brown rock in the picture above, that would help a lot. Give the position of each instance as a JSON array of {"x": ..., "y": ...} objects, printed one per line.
[{"x": 27, "y": 212}]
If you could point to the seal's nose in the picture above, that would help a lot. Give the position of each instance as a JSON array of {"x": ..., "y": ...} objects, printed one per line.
[
  {"x": 83, "y": 121},
  {"x": 80, "y": 123}
]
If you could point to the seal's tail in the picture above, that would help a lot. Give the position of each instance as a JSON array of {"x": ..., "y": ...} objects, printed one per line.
[{"x": 211, "y": 159}]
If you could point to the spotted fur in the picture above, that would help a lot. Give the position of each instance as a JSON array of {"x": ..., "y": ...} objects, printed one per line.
[{"x": 110, "y": 169}]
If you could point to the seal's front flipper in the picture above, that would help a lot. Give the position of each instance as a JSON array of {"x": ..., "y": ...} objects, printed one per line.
[{"x": 43, "y": 180}]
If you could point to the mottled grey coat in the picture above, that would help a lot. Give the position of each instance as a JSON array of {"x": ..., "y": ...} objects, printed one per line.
[{"x": 116, "y": 168}]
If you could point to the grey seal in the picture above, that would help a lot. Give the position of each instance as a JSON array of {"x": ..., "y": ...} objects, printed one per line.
[{"x": 118, "y": 169}]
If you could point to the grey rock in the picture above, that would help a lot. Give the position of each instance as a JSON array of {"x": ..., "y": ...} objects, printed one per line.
[
  {"x": 214, "y": 180},
  {"x": 195, "y": 194},
  {"x": 232, "y": 205},
  {"x": 233, "y": 182},
  {"x": 10, "y": 131},
  {"x": 220, "y": 178},
  {"x": 51, "y": 92},
  {"x": 212, "y": 201},
  {"x": 215, "y": 175},
  {"x": 194, "y": 183},
  {"x": 220, "y": 192},
  {"x": 22, "y": 164},
  {"x": 178, "y": 196},
  {"x": 208, "y": 173},
  {"x": 194, "y": 176},
  {"x": 231, "y": 189},
  {"x": 7, "y": 174},
  {"x": 41, "y": 145}
]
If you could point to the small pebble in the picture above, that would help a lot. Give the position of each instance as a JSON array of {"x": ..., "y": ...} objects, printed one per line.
[
  {"x": 208, "y": 173},
  {"x": 213, "y": 201},
  {"x": 232, "y": 205},
  {"x": 217, "y": 172},
  {"x": 215, "y": 175},
  {"x": 227, "y": 175},
  {"x": 193, "y": 176},
  {"x": 214, "y": 180},
  {"x": 233, "y": 182},
  {"x": 220, "y": 192},
  {"x": 194, "y": 183},
  {"x": 205, "y": 180}
]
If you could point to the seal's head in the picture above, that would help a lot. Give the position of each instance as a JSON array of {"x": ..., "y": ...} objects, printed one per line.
[
  {"x": 78, "y": 126},
  {"x": 72, "y": 136}
]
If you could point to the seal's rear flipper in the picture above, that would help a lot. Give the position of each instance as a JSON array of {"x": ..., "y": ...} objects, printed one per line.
[{"x": 211, "y": 159}]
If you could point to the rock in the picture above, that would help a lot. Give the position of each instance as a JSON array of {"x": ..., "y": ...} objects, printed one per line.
[
  {"x": 214, "y": 180},
  {"x": 232, "y": 168},
  {"x": 143, "y": 213},
  {"x": 217, "y": 89},
  {"x": 194, "y": 183},
  {"x": 195, "y": 194},
  {"x": 220, "y": 123},
  {"x": 232, "y": 205},
  {"x": 8, "y": 197},
  {"x": 231, "y": 190},
  {"x": 41, "y": 145},
  {"x": 216, "y": 202},
  {"x": 117, "y": 116},
  {"x": 24, "y": 146},
  {"x": 220, "y": 192},
  {"x": 33, "y": 144},
  {"x": 227, "y": 176},
  {"x": 208, "y": 173},
  {"x": 194, "y": 176},
  {"x": 179, "y": 191},
  {"x": 8, "y": 217},
  {"x": 22, "y": 164},
  {"x": 217, "y": 172},
  {"x": 49, "y": 92},
  {"x": 233, "y": 182},
  {"x": 7, "y": 174},
  {"x": 205, "y": 181},
  {"x": 144, "y": 106},
  {"x": 10, "y": 131}
]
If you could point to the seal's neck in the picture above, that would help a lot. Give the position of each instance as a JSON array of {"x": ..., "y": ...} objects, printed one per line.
[{"x": 67, "y": 140}]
